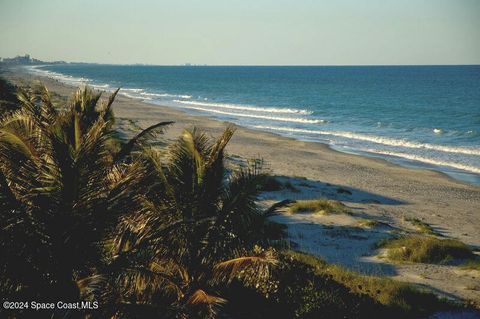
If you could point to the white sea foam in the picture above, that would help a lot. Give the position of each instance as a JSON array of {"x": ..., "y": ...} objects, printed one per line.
[
  {"x": 380, "y": 140},
  {"x": 100, "y": 86},
  {"x": 160, "y": 95},
  {"x": 432, "y": 161},
  {"x": 437, "y": 131},
  {"x": 264, "y": 117},
  {"x": 246, "y": 107},
  {"x": 58, "y": 76},
  {"x": 131, "y": 95},
  {"x": 133, "y": 90}
]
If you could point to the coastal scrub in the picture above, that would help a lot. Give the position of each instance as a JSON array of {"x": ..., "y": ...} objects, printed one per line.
[
  {"x": 318, "y": 206},
  {"x": 423, "y": 249}
]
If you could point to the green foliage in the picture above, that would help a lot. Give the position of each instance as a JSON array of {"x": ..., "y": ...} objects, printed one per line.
[
  {"x": 44, "y": 170},
  {"x": 303, "y": 293},
  {"x": 60, "y": 194},
  {"x": 377, "y": 294},
  {"x": 423, "y": 249},
  {"x": 197, "y": 228},
  {"x": 318, "y": 206}
]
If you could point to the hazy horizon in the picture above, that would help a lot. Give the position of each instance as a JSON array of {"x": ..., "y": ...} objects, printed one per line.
[{"x": 238, "y": 33}]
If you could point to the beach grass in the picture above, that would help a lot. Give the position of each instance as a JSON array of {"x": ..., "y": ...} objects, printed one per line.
[
  {"x": 390, "y": 293},
  {"x": 318, "y": 206},
  {"x": 425, "y": 249}
]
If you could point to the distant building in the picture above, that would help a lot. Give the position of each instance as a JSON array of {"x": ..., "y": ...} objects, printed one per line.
[{"x": 26, "y": 59}]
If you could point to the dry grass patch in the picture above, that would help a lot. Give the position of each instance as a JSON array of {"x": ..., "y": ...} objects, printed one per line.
[{"x": 318, "y": 206}]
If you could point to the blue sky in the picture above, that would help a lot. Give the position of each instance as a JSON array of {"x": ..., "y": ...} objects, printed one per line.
[{"x": 246, "y": 32}]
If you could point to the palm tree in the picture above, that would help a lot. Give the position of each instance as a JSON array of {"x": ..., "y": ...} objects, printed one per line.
[
  {"x": 61, "y": 191},
  {"x": 144, "y": 231},
  {"x": 197, "y": 228}
]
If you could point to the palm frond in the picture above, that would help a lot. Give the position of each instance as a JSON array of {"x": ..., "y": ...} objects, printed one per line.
[
  {"x": 110, "y": 101},
  {"x": 145, "y": 134},
  {"x": 200, "y": 297},
  {"x": 251, "y": 268},
  {"x": 91, "y": 286},
  {"x": 49, "y": 111},
  {"x": 217, "y": 150},
  {"x": 143, "y": 282}
]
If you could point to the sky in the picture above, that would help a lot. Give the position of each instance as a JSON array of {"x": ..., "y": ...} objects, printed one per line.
[{"x": 246, "y": 32}]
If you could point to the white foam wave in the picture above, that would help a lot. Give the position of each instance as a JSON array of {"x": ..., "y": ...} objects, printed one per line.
[
  {"x": 246, "y": 107},
  {"x": 264, "y": 117},
  {"x": 133, "y": 90},
  {"x": 57, "y": 76},
  {"x": 157, "y": 95},
  {"x": 130, "y": 95},
  {"x": 380, "y": 140},
  {"x": 413, "y": 157},
  {"x": 100, "y": 86}
]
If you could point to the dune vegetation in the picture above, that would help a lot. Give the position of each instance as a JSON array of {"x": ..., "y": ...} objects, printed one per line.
[
  {"x": 156, "y": 233},
  {"x": 425, "y": 249},
  {"x": 318, "y": 206}
]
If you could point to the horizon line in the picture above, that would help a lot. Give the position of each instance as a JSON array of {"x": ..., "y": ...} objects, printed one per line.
[{"x": 256, "y": 65}]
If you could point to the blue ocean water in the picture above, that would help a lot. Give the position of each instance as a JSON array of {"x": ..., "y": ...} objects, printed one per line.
[{"x": 421, "y": 116}]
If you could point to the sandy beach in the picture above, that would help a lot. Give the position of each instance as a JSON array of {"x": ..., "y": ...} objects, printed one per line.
[{"x": 370, "y": 188}]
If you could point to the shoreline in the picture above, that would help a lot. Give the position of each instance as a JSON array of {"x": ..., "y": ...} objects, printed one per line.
[
  {"x": 456, "y": 170},
  {"x": 396, "y": 191}
]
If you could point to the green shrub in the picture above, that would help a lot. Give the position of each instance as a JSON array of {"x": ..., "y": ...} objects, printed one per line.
[
  {"x": 385, "y": 295},
  {"x": 424, "y": 249},
  {"x": 319, "y": 206},
  {"x": 305, "y": 293}
]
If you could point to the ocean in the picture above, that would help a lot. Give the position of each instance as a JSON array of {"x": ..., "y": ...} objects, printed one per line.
[{"x": 417, "y": 116}]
